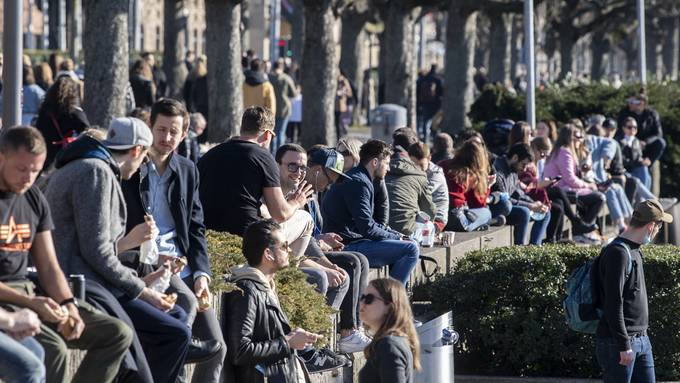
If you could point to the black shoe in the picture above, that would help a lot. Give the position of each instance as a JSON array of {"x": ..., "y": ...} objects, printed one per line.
[
  {"x": 581, "y": 227},
  {"x": 202, "y": 350},
  {"x": 325, "y": 360},
  {"x": 498, "y": 221},
  {"x": 482, "y": 228}
]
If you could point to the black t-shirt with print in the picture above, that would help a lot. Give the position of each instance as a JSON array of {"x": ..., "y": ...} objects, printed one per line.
[
  {"x": 21, "y": 217},
  {"x": 233, "y": 175}
]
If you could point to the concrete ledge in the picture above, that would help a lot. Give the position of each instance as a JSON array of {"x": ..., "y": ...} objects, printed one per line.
[{"x": 504, "y": 379}]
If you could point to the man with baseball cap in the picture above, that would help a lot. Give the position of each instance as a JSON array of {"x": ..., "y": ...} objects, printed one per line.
[
  {"x": 89, "y": 218},
  {"x": 623, "y": 348}
]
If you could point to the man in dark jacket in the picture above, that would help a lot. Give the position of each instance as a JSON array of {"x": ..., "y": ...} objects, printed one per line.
[
  {"x": 522, "y": 208},
  {"x": 261, "y": 343},
  {"x": 430, "y": 91},
  {"x": 622, "y": 345},
  {"x": 167, "y": 189},
  {"x": 649, "y": 131},
  {"x": 347, "y": 210}
]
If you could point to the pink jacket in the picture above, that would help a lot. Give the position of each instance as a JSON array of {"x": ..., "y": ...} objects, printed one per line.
[{"x": 565, "y": 166}]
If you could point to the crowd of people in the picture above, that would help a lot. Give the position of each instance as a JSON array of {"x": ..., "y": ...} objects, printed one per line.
[{"x": 127, "y": 208}]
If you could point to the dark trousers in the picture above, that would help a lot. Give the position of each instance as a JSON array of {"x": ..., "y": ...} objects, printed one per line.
[
  {"x": 589, "y": 206},
  {"x": 356, "y": 266},
  {"x": 164, "y": 337},
  {"x": 560, "y": 207},
  {"x": 654, "y": 150}
]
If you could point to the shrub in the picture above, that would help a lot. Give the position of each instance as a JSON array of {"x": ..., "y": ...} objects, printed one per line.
[
  {"x": 507, "y": 306},
  {"x": 304, "y": 306},
  {"x": 579, "y": 101}
]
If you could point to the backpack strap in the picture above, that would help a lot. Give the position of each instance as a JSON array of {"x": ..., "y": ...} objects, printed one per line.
[{"x": 625, "y": 246}]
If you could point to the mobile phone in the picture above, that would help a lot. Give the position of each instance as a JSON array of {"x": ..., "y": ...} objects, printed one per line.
[{"x": 556, "y": 179}]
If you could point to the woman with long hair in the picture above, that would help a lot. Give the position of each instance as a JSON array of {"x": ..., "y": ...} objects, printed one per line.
[
  {"x": 60, "y": 118},
  {"x": 519, "y": 133},
  {"x": 141, "y": 80},
  {"x": 394, "y": 353},
  {"x": 468, "y": 179},
  {"x": 32, "y": 97},
  {"x": 562, "y": 162},
  {"x": 196, "y": 88},
  {"x": 43, "y": 75}
]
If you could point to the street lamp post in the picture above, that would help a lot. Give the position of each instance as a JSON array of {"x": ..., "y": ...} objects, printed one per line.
[
  {"x": 12, "y": 41},
  {"x": 642, "y": 54},
  {"x": 529, "y": 60}
]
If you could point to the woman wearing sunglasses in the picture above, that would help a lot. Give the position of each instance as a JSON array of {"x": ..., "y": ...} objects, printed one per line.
[{"x": 395, "y": 351}]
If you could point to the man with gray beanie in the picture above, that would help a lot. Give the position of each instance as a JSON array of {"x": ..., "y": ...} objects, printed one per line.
[{"x": 89, "y": 218}]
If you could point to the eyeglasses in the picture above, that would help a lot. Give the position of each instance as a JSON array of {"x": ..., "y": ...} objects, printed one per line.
[
  {"x": 630, "y": 127},
  {"x": 294, "y": 168},
  {"x": 284, "y": 246},
  {"x": 344, "y": 153},
  {"x": 270, "y": 132},
  {"x": 367, "y": 299}
]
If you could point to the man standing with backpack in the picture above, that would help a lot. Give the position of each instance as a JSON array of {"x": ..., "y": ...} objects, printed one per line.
[{"x": 623, "y": 348}]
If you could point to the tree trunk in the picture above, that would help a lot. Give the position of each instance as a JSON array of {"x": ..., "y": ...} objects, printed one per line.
[
  {"x": 352, "y": 57},
  {"x": 225, "y": 78},
  {"x": 500, "y": 46},
  {"x": 598, "y": 47},
  {"x": 671, "y": 49},
  {"x": 105, "y": 44},
  {"x": 320, "y": 79},
  {"x": 482, "y": 42},
  {"x": 245, "y": 22},
  {"x": 400, "y": 68},
  {"x": 298, "y": 30},
  {"x": 567, "y": 42},
  {"x": 458, "y": 71},
  {"x": 173, "y": 47}
]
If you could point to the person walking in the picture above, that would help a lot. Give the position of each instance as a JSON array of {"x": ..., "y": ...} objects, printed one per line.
[
  {"x": 395, "y": 350},
  {"x": 623, "y": 349},
  {"x": 285, "y": 90}
]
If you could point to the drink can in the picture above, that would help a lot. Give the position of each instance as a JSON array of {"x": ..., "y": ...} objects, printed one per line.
[
  {"x": 78, "y": 285},
  {"x": 448, "y": 238}
]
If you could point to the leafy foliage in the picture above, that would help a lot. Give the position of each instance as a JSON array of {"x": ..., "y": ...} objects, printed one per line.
[
  {"x": 305, "y": 307},
  {"x": 579, "y": 101},
  {"x": 507, "y": 306}
]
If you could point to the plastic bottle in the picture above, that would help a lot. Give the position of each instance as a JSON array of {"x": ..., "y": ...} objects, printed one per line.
[
  {"x": 161, "y": 284},
  {"x": 427, "y": 234}
]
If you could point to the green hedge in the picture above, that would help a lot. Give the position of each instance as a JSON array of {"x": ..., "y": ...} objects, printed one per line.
[
  {"x": 304, "y": 306},
  {"x": 507, "y": 306},
  {"x": 561, "y": 104}
]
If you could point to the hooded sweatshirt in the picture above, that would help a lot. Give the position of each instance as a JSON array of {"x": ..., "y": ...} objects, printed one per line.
[
  {"x": 89, "y": 216},
  {"x": 409, "y": 193},
  {"x": 258, "y": 91}
]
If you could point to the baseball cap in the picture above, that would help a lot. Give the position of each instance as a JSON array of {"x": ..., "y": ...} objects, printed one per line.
[
  {"x": 651, "y": 211},
  {"x": 329, "y": 159},
  {"x": 127, "y": 132}
]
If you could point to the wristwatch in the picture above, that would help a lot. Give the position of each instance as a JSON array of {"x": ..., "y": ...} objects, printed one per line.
[{"x": 69, "y": 300}]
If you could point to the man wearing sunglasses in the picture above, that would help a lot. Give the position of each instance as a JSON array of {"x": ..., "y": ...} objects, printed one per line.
[
  {"x": 262, "y": 345},
  {"x": 622, "y": 345},
  {"x": 649, "y": 131}
]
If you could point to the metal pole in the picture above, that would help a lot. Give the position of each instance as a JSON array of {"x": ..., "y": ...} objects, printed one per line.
[
  {"x": 62, "y": 25},
  {"x": 529, "y": 61},
  {"x": 12, "y": 42},
  {"x": 274, "y": 30},
  {"x": 642, "y": 54}
]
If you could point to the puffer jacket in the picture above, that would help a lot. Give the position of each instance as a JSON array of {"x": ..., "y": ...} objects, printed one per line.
[
  {"x": 255, "y": 331},
  {"x": 409, "y": 193}
]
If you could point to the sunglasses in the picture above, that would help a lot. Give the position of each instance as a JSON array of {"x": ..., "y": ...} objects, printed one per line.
[
  {"x": 344, "y": 153},
  {"x": 294, "y": 168},
  {"x": 630, "y": 127},
  {"x": 367, "y": 299},
  {"x": 578, "y": 136}
]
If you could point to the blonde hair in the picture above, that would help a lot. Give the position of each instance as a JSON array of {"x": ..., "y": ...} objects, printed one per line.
[
  {"x": 353, "y": 145},
  {"x": 399, "y": 318}
]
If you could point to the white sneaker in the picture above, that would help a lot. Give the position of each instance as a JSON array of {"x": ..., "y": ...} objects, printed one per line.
[{"x": 355, "y": 342}]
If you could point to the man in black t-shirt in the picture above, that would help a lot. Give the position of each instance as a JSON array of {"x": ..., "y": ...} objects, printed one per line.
[
  {"x": 238, "y": 175},
  {"x": 25, "y": 229}
]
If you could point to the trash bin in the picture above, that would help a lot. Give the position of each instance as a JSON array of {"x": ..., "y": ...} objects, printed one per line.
[
  {"x": 436, "y": 356},
  {"x": 385, "y": 119}
]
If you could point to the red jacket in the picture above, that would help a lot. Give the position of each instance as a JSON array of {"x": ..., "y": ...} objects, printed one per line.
[{"x": 459, "y": 194}]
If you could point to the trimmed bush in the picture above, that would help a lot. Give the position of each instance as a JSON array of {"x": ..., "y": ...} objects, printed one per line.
[
  {"x": 579, "y": 101},
  {"x": 507, "y": 306},
  {"x": 304, "y": 306}
]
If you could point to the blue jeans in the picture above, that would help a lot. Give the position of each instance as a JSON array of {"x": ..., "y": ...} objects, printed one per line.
[
  {"x": 519, "y": 218},
  {"x": 21, "y": 361},
  {"x": 640, "y": 371},
  {"x": 401, "y": 256},
  {"x": 280, "y": 126},
  {"x": 459, "y": 222},
  {"x": 617, "y": 202},
  {"x": 642, "y": 173}
]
